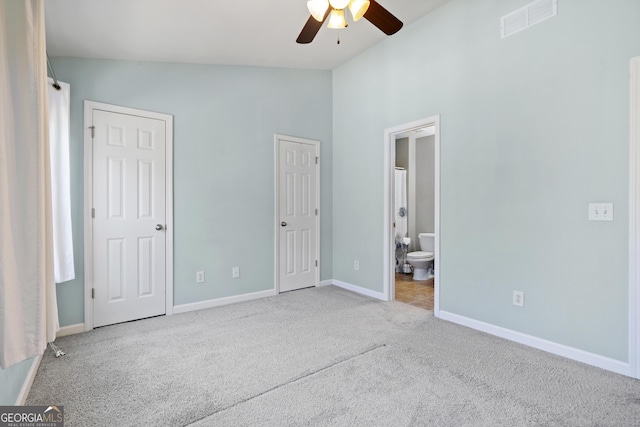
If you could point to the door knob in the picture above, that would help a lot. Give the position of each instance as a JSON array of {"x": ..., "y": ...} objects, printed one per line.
[
  {"x": 284, "y": 224},
  {"x": 159, "y": 227}
]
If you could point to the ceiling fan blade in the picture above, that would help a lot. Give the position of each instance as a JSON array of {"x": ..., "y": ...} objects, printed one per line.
[
  {"x": 382, "y": 18},
  {"x": 311, "y": 28}
]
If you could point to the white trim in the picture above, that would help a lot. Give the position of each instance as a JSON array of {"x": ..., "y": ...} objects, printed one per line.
[
  {"x": 28, "y": 381},
  {"x": 88, "y": 204},
  {"x": 168, "y": 214},
  {"x": 89, "y": 106},
  {"x": 634, "y": 220},
  {"x": 541, "y": 344},
  {"x": 326, "y": 282},
  {"x": 276, "y": 144},
  {"x": 359, "y": 290},
  {"x": 390, "y": 136},
  {"x": 78, "y": 328},
  {"x": 201, "y": 305}
]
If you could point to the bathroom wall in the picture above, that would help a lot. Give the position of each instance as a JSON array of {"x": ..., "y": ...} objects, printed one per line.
[
  {"x": 225, "y": 118},
  {"x": 533, "y": 128},
  {"x": 402, "y": 153},
  {"x": 425, "y": 184}
]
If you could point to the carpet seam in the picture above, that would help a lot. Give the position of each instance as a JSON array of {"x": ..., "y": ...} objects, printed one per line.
[{"x": 291, "y": 381}]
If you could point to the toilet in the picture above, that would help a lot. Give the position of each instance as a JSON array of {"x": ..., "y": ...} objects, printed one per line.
[{"x": 423, "y": 259}]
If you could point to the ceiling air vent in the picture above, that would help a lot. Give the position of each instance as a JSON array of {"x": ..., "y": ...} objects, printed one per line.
[{"x": 527, "y": 16}]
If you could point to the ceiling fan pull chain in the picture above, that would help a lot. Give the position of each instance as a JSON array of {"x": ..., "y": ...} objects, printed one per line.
[{"x": 338, "y": 38}]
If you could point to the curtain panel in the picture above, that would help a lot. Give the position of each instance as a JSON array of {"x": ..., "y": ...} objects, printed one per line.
[
  {"x": 28, "y": 307},
  {"x": 63, "y": 267}
]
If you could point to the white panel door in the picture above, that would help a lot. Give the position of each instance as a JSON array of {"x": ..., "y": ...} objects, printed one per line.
[
  {"x": 129, "y": 217},
  {"x": 297, "y": 258}
]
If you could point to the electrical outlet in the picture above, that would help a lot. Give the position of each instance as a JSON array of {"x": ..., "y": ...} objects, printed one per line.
[
  {"x": 600, "y": 211},
  {"x": 356, "y": 265},
  {"x": 518, "y": 298},
  {"x": 200, "y": 277},
  {"x": 235, "y": 272}
]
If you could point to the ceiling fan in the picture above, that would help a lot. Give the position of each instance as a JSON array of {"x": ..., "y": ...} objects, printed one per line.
[{"x": 371, "y": 10}]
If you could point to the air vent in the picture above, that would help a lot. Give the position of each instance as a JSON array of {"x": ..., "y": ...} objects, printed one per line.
[{"x": 527, "y": 16}]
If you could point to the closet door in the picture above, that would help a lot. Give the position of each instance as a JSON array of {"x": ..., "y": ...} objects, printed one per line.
[
  {"x": 129, "y": 217},
  {"x": 298, "y": 214}
]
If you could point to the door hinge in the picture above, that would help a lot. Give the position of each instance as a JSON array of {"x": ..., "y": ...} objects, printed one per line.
[
  {"x": 316, "y": 212},
  {"x": 316, "y": 160},
  {"x": 93, "y": 131},
  {"x": 316, "y": 263},
  {"x": 93, "y": 212},
  {"x": 93, "y": 293}
]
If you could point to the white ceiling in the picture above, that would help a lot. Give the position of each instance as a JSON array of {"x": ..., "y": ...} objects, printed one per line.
[{"x": 233, "y": 32}]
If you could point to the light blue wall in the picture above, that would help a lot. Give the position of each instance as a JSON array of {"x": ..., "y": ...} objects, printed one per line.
[
  {"x": 11, "y": 381},
  {"x": 533, "y": 127},
  {"x": 225, "y": 118}
]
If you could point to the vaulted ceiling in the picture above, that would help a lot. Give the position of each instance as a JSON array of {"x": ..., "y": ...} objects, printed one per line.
[{"x": 236, "y": 32}]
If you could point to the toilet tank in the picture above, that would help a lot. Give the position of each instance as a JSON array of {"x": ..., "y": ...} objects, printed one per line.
[{"x": 427, "y": 242}]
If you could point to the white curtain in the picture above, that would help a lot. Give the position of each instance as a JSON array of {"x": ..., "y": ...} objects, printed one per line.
[
  {"x": 400, "y": 203},
  {"x": 60, "y": 181},
  {"x": 28, "y": 308}
]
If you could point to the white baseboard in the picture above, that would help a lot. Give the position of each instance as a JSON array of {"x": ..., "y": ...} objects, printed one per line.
[
  {"x": 325, "y": 283},
  {"x": 184, "y": 308},
  {"x": 28, "y": 381},
  {"x": 596, "y": 360},
  {"x": 359, "y": 290},
  {"x": 78, "y": 328}
]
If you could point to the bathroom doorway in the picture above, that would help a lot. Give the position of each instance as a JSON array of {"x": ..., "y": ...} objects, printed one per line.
[
  {"x": 412, "y": 159},
  {"x": 414, "y": 207}
]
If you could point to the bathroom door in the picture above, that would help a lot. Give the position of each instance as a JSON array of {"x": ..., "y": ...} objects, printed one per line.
[{"x": 297, "y": 213}]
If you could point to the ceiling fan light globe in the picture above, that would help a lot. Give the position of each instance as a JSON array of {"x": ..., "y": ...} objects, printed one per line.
[
  {"x": 358, "y": 8},
  {"x": 339, "y": 4},
  {"x": 336, "y": 19},
  {"x": 317, "y": 9}
]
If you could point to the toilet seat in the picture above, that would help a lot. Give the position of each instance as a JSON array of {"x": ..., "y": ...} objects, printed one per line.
[{"x": 420, "y": 255}]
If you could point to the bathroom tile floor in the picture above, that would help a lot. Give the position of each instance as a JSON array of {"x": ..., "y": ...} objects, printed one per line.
[{"x": 418, "y": 293}]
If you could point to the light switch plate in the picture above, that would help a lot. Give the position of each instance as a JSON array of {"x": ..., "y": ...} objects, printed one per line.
[{"x": 600, "y": 211}]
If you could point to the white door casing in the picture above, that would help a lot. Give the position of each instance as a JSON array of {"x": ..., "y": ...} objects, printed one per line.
[
  {"x": 128, "y": 260},
  {"x": 388, "y": 239},
  {"x": 634, "y": 221},
  {"x": 297, "y": 213}
]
